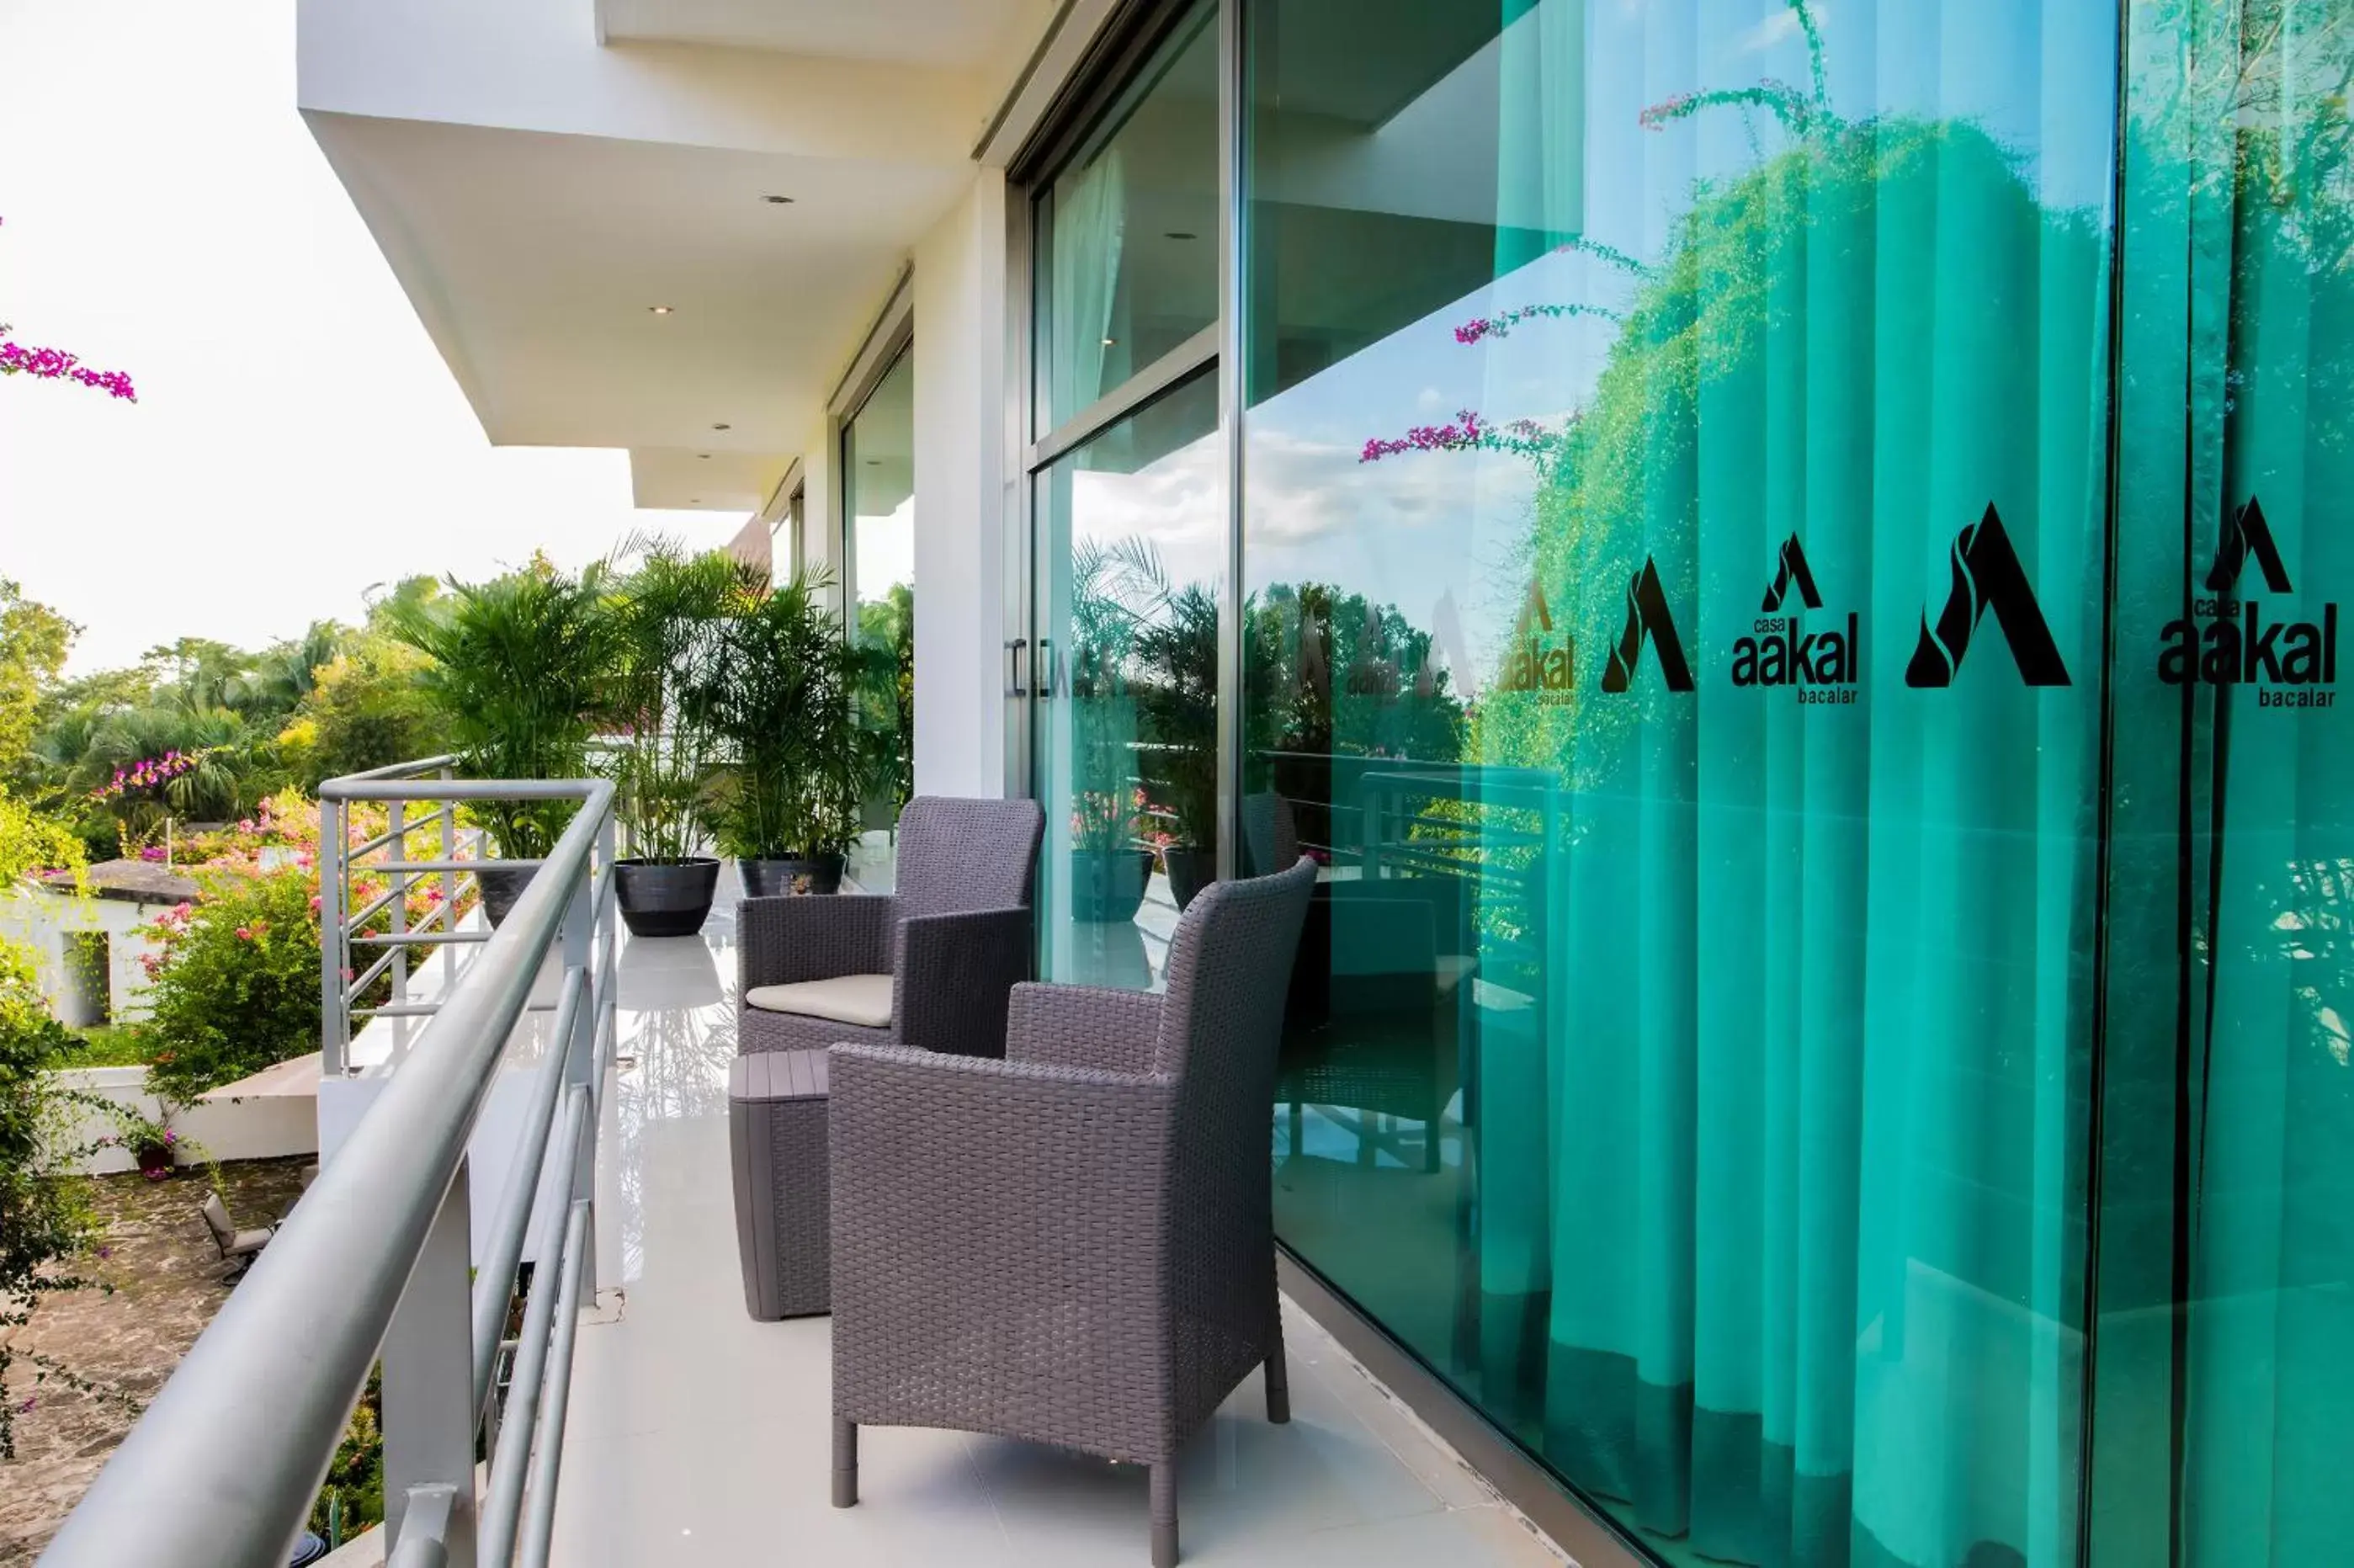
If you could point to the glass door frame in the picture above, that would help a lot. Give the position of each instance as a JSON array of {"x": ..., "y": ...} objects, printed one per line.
[{"x": 1133, "y": 37}]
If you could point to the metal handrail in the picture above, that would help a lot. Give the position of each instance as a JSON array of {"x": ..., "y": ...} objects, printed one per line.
[{"x": 377, "y": 1260}]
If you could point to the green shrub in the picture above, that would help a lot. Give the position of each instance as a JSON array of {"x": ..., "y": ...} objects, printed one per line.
[
  {"x": 236, "y": 985},
  {"x": 43, "y": 1221}
]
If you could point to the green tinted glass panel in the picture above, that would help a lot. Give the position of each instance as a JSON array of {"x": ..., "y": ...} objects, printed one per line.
[
  {"x": 1127, "y": 261},
  {"x": 1674, "y": 541},
  {"x": 2225, "y": 1378},
  {"x": 1132, "y": 563}
]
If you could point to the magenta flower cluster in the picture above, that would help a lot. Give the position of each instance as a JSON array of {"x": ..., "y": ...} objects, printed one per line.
[
  {"x": 148, "y": 773},
  {"x": 1466, "y": 432},
  {"x": 1785, "y": 102},
  {"x": 55, "y": 364},
  {"x": 1479, "y": 327}
]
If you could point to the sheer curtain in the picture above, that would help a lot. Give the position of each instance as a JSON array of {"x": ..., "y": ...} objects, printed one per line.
[
  {"x": 1798, "y": 1240},
  {"x": 2227, "y": 1319}
]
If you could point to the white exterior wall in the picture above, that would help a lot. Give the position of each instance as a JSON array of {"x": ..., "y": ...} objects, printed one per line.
[
  {"x": 961, "y": 397},
  {"x": 41, "y": 921}
]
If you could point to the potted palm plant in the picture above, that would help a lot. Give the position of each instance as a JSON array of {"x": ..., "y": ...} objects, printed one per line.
[
  {"x": 522, "y": 665},
  {"x": 777, "y": 693},
  {"x": 667, "y": 615}
]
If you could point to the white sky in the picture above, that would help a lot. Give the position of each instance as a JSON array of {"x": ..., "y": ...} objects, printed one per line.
[{"x": 297, "y": 438}]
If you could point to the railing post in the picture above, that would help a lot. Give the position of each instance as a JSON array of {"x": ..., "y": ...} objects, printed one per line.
[
  {"x": 448, "y": 854},
  {"x": 581, "y": 1049},
  {"x": 429, "y": 1378},
  {"x": 397, "y": 820},
  {"x": 335, "y": 1020}
]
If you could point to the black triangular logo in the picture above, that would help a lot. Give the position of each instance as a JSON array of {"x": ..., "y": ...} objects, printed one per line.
[
  {"x": 2245, "y": 536},
  {"x": 1987, "y": 576},
  {"x": 1647, "y": 621},
  {"x": 1791, "y": 570}
]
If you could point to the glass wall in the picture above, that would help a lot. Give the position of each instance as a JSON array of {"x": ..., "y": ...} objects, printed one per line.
[
  {"x": 1791, "y": 558},
  {"x": 2224, "y": 1381},
  {"x": 878, "y": 448},
  {"x": 1673, "y": 539}
]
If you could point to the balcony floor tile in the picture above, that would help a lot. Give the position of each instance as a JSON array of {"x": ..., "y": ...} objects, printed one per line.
[{"x": 695, "y": 1433}]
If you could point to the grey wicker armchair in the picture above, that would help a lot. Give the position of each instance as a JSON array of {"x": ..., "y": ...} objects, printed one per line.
[
  {"x": 1073, "y": 1245},
  {"x": 928, "y": 966}
]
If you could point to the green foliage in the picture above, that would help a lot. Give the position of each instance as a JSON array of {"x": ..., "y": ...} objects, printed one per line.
[
  {"x": 367, "y": 707},
  {"x": 33, "y": 642},
  {"x": 355, "y": 1475},
  {"x": 43, "y": 1221},
  {"x": 521, "y": 668},
  {"x": 102, "y": 1046},
  {"x": 667, "y": 613},
  {"x": 778, "y": 693},
  {"x": 236, "y": 985}
]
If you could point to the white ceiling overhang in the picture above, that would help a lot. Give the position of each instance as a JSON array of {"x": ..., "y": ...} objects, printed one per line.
[{"x": 537, "y": 193}]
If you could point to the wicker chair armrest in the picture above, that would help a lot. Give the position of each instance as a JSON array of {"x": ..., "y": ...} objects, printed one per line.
[
  {"x": 1083, "y": 1026},
  {"x": 971, "y": 1196},
  {"x": 951, "y": 975},
  {"x": 784, "y": 941}
]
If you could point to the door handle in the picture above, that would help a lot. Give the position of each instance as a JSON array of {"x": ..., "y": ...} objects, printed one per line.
[{"x": 1013, "y": 686}]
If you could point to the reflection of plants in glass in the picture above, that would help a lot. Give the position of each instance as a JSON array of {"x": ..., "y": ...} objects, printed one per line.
[{"x": 886, "y": 695}]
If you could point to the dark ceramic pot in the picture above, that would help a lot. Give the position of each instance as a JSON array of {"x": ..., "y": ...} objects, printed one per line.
[
  {"x": 775, "y": 878},
  {"x": 155, "y": 1161},
  {"x": 1191, "y": 869},
  {"x": 666, "y": 897},
  {"x": 501, "y": 886},
  {"x": 1107, "y": 888}
]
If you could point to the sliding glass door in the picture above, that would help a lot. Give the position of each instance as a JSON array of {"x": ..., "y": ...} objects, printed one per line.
[
  {"x": 1129, "y": 517},
  {"x": 1786, "y": 559}
]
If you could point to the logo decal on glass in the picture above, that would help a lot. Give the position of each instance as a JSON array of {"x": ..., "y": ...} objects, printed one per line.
[
  {"x": 1820, "y": 665},
  {"x": 1536, "y": 662},
  {"x": 2291, "y": 664},
  {"x": 1986, "y": 576},
  {"x": 1647, "y": 621}
]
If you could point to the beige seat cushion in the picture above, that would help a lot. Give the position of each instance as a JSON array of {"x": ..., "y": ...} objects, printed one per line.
[{"x": 863, "y": 1000}]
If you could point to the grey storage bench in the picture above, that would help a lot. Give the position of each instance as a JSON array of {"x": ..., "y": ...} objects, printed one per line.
[{"x": 776, "y": 1139}]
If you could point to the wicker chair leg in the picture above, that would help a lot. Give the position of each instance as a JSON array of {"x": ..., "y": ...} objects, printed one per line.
[
  {"x": 845, "y": 1463},
  {"x": 1279, "y": 1383},
  {"x": 1164, "y": 1514}
]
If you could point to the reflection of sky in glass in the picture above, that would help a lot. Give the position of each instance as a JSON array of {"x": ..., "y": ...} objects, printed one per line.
[
  {"x": 886, "y": 551},
  {"x": 1438, "y": 533}
]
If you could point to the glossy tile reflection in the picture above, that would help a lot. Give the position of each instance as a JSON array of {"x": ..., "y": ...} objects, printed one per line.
[{"x": 694, "y": 1430}]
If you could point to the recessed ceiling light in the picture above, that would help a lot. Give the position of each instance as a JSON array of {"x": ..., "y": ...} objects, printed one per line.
[
  {"x": 705, "y": 456},
  {"x": 660, "y": 310},
  {"x": 694, "y": 501},
  {"x": 779, "y": 200},
  {"x": 1179, "y": 234},
  {"x": 722, "y": 427}
]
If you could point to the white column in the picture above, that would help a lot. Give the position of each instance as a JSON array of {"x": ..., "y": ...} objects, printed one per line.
[{"x": 959, "y": 473}]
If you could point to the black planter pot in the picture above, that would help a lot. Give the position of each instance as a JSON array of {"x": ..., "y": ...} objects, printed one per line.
[
  {"x": 501, "y": 886},
  {"x": 1191, "y": 868},
  {"x": 666, "y": 897},
  {"x": 1107, "y": 888},
  {"x": 775, "y": 878}
]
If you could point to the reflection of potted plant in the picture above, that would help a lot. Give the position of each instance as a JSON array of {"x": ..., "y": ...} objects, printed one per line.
[
  {"x": 521, "y": 665},
  {"x": 776, "y": 692},
  {"x": 1109, "y": 866},
  {"x": 666, "y": 616},
  {"x": 1177, "y": 713}
]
